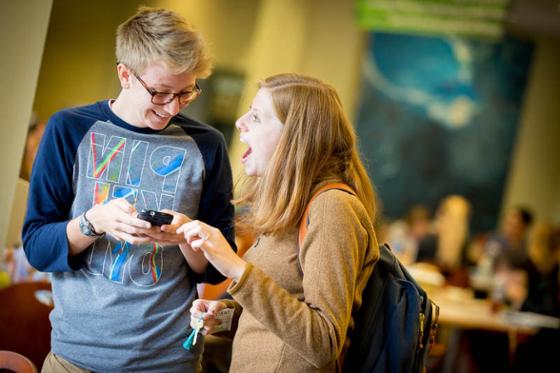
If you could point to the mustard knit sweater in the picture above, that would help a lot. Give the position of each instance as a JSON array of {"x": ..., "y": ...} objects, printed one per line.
[{"x": 297, "y": 303}]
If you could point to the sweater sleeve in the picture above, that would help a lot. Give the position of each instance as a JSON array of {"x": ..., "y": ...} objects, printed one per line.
[
  {"x": 50, "y": 199},
  {"x": 332, "y": 260}
]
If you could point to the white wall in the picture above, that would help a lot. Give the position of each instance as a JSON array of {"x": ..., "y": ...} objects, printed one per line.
[{"x": 23, "y": 28}]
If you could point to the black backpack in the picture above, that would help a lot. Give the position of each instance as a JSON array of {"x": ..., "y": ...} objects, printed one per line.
[{"x": 397, "y": 322}]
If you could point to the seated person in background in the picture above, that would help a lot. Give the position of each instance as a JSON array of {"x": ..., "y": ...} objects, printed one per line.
[
  {"x": 510, "y": 281},
  {"x": 539, "y": 352},
  {"x": 446, "y": 246},
  {"x": 510, "y": 243},
  {"x": 404, "y": 235},
  {"x": 18, "y": 267},
  {"x": 544, "y": 275},
  {"x": 296, "y": 304},
  {"x": 531, "y": 283},
  {"x": 34, "y": 134},
  {"x": 512, "y": 235}
]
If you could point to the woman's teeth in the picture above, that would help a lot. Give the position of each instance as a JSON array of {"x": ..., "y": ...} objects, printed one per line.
[{"x": 246, "y": 154}]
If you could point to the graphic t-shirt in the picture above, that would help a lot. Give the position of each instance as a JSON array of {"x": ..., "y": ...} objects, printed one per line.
[{"x": 118, "y": 306}]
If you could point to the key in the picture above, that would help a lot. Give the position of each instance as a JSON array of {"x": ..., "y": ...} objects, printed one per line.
[
  {"x": 191, "y": 340},
  {"x": 198, "y": 324}
]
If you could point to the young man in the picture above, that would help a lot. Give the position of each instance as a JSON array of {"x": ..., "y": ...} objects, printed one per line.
[{"x": 123, "y": 288}]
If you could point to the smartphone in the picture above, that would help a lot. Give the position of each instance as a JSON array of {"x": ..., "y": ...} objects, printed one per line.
[{"x": 155, "y": 217}]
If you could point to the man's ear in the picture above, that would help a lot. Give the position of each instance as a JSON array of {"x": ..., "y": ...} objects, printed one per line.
[{"x": 124, "y": 74}]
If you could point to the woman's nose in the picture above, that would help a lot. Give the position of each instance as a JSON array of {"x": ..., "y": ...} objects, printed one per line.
[{"x": 240, "y": 123}]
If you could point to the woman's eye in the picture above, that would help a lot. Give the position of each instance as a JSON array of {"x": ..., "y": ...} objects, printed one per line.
[{"x": 255, "y": 118}]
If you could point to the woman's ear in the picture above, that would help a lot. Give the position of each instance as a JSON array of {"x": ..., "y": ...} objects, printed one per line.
[{"x": 124, "y": 74}]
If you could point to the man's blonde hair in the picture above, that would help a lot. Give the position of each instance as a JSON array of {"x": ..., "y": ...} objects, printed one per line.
[
  {"x": 317, "y": 146},
  {"x": 164, "y": 36}
]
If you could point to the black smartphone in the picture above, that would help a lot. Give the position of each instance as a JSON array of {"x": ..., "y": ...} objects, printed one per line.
[{"x": 155, "y": 217}]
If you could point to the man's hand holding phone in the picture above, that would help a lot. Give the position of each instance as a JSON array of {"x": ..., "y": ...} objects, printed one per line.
[
  {"x": 158, "y": 218},
  {"x": 167, "y": 222}
]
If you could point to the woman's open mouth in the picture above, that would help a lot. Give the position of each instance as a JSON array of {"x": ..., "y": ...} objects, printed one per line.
[{"x": 246, "y": 154}]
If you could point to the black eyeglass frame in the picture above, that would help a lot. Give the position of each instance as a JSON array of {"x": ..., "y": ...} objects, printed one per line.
[{"x": 193, "y": 94}]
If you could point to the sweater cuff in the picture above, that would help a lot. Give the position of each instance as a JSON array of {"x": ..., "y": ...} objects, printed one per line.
[{"x": 235, "y": 286}]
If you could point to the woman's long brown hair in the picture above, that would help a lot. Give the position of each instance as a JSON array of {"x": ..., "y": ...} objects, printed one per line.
[{"x": 317, "y": 146}]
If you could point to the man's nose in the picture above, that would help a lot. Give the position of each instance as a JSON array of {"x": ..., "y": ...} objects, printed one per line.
[{"x": 174, "y": 106}]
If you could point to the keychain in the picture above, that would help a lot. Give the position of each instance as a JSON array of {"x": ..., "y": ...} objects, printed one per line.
[
  {"x": 191, "y": 340},
  {"x": 224, "y": 318}
]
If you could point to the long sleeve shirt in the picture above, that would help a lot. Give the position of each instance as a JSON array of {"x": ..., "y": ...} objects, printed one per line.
[
  {"x": 121, "y": 307},
  {"x": 298, "y": 303}
]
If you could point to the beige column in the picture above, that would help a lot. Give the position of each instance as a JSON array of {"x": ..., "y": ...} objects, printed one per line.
[
  {"x": 533, "y": 178},
  {"x": 23, "y": 29}
]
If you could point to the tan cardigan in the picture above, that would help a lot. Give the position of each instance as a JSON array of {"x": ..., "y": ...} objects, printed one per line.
[{"x": 297, "y": 304}]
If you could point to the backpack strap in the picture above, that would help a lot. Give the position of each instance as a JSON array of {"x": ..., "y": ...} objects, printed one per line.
[{"x": 305, "y": 219}]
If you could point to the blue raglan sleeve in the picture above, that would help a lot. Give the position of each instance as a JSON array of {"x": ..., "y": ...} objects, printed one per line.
[
  {"x": 50, "y": 200},
  {"x": 216, "y": 208}
]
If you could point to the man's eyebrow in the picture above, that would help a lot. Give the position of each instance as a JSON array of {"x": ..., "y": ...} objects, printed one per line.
[{"x": 159, "y": 86}]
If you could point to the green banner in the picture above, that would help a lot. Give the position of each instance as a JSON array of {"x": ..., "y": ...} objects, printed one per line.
[{"x": 482, "y": 18}]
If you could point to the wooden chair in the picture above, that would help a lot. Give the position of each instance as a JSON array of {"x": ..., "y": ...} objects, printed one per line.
[
  {"x": 24, "y": 321},
  {"x": 16, "y": 362}
]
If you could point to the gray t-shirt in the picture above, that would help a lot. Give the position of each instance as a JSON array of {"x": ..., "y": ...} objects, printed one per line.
[{"x": 121, "y": 307}]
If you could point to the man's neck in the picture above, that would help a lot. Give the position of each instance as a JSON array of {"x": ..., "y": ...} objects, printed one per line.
[{"x": 121, "y": 109}]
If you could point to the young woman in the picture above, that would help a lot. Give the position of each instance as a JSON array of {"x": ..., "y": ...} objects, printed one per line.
[{"x": 295, "y": 302}]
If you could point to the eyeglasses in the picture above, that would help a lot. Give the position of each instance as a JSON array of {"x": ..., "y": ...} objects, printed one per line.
[{"x": 164, "y": 98}]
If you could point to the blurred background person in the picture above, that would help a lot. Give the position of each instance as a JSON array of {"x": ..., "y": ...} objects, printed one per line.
[
  {"x": 513, "y": 234},
  {"x": 539, "y": 352},
  {"x": 445, "y": 247},
  {"x": 34, "y": 134},
  {"x": 403, "y": 235},
  {"x": 526, "y": 281},
  {"x": 506, "y": 248},
  {"x": 543, "y": 293}
]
